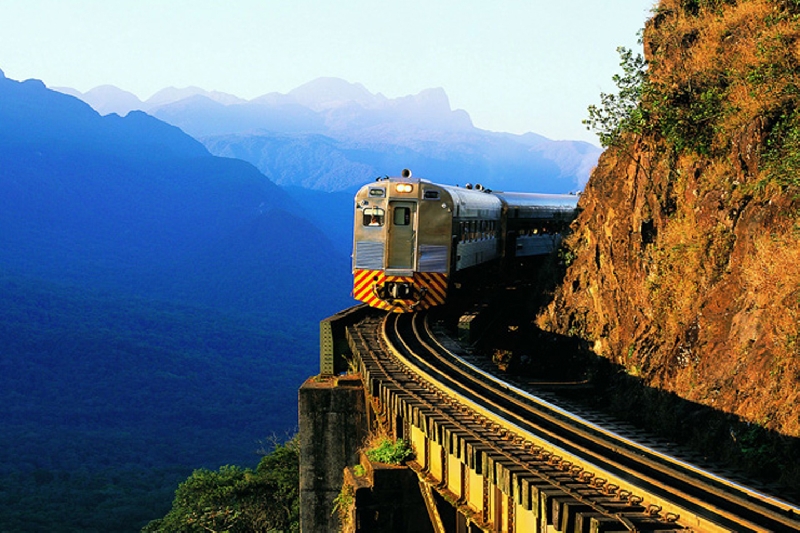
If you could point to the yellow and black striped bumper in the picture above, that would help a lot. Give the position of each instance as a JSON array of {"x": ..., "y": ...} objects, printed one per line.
[{"x": 373, "y": 287}]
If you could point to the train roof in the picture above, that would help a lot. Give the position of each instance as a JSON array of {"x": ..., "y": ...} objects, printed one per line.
[
  {"x": 482, "y": 198},
  {"x": 472, "y": 197},
  {"x": 561, "y": 202}
]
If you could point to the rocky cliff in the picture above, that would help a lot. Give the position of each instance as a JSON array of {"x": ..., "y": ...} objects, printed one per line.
[{"x": 684, "y": 264}]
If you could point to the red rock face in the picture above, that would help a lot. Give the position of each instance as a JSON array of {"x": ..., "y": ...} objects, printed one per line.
[{"x": 685, "y": 261}]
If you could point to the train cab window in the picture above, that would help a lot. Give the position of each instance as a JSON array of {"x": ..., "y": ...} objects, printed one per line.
[
  {"x": 402, "y": 216},
  {"x": 377, "y": 192},
  {"x": 373, "y": 216}
]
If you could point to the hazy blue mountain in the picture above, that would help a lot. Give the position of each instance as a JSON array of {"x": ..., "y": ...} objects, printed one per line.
[
  {"x": 160, "y": 307},
  {"x": 136, "y": 204},
  {"x": 332, "y": 212},
  {"x": 110, "y": 401},
  {"x": 201, "y": 116},
  {"x": 329, "y": 164},
  {"x": 325, "y": 93},
  {"x": 325, "y": 106},
  {"x": 173, "y": 94},
  {"x": 360, "y": 135},
  {"x": 332, "y": 135},
  {"x": 107, "y": 99}
]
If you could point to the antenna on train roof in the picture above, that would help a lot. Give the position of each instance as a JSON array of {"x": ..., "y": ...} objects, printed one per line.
[{"x": 406, "y": 173}]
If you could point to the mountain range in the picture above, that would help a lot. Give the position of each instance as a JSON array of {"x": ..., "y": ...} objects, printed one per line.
[
  {"x": 132, "y": 200},
  {"x": 332, "y": 135}
]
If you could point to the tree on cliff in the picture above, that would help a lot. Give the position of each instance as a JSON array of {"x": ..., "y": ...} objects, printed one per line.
[
  {"x": 238, "y": 500},
  {"x": 621, "y": 113}
]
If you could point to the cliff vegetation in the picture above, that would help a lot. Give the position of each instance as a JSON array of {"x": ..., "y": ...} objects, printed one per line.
[{"x": 684, "y": 264}]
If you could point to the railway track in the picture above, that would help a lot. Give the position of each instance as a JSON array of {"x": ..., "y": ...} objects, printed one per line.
[{"x": 598, "y": 479}]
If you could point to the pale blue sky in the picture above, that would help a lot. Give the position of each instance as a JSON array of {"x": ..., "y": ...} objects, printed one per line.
[{"x": 513, "y": 65}]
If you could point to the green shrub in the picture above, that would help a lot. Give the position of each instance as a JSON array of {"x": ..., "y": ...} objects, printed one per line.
[{"x": 390, "y": 452}]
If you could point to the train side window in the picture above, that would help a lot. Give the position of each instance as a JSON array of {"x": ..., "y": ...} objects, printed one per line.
[
  {"x": 402, "y": 216},
  {"x": 373, "y": 216}
]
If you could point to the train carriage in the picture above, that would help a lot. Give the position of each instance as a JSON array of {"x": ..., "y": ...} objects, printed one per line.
[{"x": 411, "y": 236}]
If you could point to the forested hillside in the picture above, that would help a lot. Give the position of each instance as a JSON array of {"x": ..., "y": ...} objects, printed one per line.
[
  {"x": 160, "y": 307},
  {"x": 111, "y": 401}
]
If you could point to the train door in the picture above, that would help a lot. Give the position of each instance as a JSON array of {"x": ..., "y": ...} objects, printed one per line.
[{"x": 401, "y": 235}]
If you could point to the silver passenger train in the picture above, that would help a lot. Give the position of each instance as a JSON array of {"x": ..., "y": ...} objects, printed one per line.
[{"x": 413, "y": 237}]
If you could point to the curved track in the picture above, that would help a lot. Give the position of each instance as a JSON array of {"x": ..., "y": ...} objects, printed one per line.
[{"x": 673, "y": 491}]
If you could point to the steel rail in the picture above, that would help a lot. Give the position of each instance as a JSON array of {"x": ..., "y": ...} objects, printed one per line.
[
  {"x": 553, "y": 479},
  {"x": 746, "y": 493},
  {"x": 586, "y": 433},
  {"x": 609, "y": 511},
  {"x": 422, "y": 398}
]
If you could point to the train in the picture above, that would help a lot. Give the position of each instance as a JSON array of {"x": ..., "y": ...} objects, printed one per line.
[{"x": 413, "y": 239}]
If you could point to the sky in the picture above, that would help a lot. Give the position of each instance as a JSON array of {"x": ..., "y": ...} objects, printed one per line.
[{"x": 515, "y": 66}]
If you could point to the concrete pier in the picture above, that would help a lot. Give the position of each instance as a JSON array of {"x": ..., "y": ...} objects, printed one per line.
[
  {"x": 386, "y": 498},
  {"x": 333, "y": 425}
]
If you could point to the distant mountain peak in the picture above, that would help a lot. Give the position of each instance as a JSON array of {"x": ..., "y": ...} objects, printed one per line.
[
  {"x": 327, "y": 92},
  {"x": 107, "y": 99},
  {"x": 72, "y": 92},
  {"x": 174, "y": 94},
  {"x": 435, "y": 99},
  {"x": 109, "y": 90}
]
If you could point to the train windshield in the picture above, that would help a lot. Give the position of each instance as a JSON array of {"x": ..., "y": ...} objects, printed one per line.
[{"x": 373, "y": 216}]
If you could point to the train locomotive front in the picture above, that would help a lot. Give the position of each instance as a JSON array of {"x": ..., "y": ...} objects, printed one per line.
[
  {"x": 399, "y": 264},
  {"x": 411, "y": 237},
  {"x": 405, "y": 235}
]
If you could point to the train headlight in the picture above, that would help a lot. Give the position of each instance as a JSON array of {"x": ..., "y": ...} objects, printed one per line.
[{"x": 403, "y": 187}]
